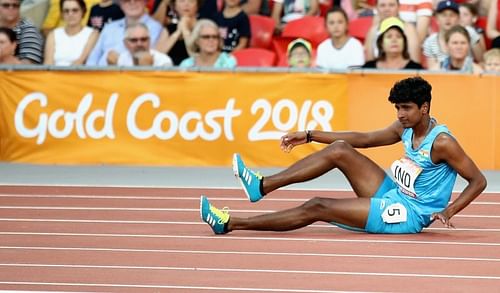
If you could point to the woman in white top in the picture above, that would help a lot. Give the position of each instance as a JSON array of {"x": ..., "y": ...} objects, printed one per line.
[
  {"x": 71, "y": 44},
  {"x": 340, "y": 51}
]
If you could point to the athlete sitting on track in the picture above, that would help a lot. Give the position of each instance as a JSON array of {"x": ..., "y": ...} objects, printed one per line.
[{"x": 414, "y": 196}]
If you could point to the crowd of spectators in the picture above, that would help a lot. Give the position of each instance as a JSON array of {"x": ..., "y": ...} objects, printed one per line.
[{"x": 404, "y": 34}]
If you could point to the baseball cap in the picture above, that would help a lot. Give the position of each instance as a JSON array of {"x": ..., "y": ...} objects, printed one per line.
[
  {"x": 447, "y": 4},
  {"x": 299, "y": 42},
  {"x": 389, "y": 23}
]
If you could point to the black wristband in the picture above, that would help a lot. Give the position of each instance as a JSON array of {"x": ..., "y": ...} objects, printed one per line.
[{"x": 308, "y": 136}]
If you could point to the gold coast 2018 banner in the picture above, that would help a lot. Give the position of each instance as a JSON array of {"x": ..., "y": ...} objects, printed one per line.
[{"x": 163, "y": 118}]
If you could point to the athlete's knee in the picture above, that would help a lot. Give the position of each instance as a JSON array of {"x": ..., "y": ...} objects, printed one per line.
[
  {"x": 339, "y": 149},
  {"x": 315, "y": 206}
]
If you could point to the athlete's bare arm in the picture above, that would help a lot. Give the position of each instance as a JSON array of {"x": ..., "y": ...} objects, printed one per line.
[
  {"x": 446, "y": 148},
  {"x": 386, "y": 136}
]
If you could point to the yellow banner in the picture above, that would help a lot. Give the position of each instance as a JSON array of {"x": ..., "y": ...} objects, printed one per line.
[{"x": 163, "y": 118}]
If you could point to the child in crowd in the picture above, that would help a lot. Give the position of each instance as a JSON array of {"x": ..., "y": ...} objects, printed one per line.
[
  {"x": 492, "y": 61},
  {"x": 234, "y": 26},
  {"x": 468, "y": 18},
  {"x": 104, "y": 12},
  {"x": 299, "y": 54},
  {"x": 340, "y": 51}
]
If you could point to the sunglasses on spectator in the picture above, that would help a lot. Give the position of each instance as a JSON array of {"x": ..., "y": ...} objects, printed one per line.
[
  {"x": 207, "y": 37},
  {"x": 72, "y": 10},
  {"x": 136, "y": 40},
  {"x": 10, "y": 5}
]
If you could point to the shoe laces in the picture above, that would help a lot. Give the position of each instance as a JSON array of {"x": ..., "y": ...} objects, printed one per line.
[
  {"x": 223, "y": 214},
  {"x": 257, "y": 174}
]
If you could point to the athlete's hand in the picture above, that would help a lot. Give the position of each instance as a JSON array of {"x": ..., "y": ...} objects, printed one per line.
[
  {"x": 443, "y": 218},
  {"x": 292, "y": 139}
]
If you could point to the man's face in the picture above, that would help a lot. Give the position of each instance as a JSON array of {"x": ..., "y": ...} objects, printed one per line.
[
  {"x": 131, "y": 8},
  {"x": 9, "y": 10},
  {"x": 388, "y": 8},
  {"x": 409, "y": 114},
  {"x": 447, "y": 18},
  {"x": 137, "y": 40}
]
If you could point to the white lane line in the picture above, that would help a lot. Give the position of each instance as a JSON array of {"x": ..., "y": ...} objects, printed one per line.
[
  {"x": 184, "y": 198},
  {"x": 225, "y": 270},
  {"x": 97, "y": 221},
  {"x": 216, "y": 252},
  {"x": 178, "y": 287},
  {"x": 226, "y": 238},
  {"x": 168, "y": 210}
]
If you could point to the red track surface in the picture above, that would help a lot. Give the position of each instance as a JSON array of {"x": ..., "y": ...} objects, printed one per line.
[{"x": 152, "y": 240}]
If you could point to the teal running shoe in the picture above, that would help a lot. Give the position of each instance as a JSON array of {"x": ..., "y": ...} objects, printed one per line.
[
  {"x": 249, "y": 180},
  {"x": 214, "y": 217}
]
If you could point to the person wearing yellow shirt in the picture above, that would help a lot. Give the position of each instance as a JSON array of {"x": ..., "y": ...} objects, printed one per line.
[{"x": 53, "y": 18}]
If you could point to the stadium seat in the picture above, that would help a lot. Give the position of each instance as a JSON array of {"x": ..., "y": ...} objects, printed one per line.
[
  {"x": 280, "y": 46},
  {"x": 311, "y": 28},
  {"x": 262, "y": 30},
  {"x": 256, "y": 57},
  {"x": 360, "y": 26},
  {"x": 324, "y": 7}
]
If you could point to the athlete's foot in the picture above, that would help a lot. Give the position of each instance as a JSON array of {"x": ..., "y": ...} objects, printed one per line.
[
  {"x": 249, "y": 180},
  {"x": 215, "y": 218}
]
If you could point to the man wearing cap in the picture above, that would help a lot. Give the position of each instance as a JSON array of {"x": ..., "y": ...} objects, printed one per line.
[
  {"x": 434, "y": 48},
  {"x": 386, "y": 9},
  {"x": 299, "y": 53}
]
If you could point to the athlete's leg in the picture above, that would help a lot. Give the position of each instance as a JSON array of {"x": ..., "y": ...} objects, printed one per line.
[
  {"x": 352, "y": 212},
  {"x": 362, "y": 173}
]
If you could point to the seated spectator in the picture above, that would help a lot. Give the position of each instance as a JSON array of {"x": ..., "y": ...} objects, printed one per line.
[
  {"x": 104, "y": 12},
  {"x": 29, "y": 41},
  {"x": 287, "y": 10},
  {"x": 434, "y": 48},
  {"x": 206, "y": 44},
  {"x": 179, "y": 30},
  {"x": 8, "y": 47},
  {"x": 234, "y": 26},
  {"x": 138, "y": 52},
  {"x": 493, "y": 23},
  {"x": 458, "y": 47},
  {"x": 299, "y": 54},
  {"x": 386, "y": 9},
  {"x": 71, "y": 44},
  {"x": 492, "y": 61},
  {"x": 53, "y": 18},
  {"x": 110, "y": 43},
  {"x": 468, "y": 18},
  {"x": 393, "y": 47},
  {"x": 417, "y": 13},
  {"x": 340, "y": 51}
]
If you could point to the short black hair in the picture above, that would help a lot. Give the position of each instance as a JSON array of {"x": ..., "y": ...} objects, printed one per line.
[{"x": 413, "y": 89}]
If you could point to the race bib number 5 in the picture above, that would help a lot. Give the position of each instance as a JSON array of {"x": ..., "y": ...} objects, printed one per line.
[
  {"x": 405, "y": 172},
  {"x": 395, "y": 213}
]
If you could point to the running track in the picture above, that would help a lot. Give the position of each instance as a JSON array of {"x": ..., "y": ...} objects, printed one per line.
[{"x": 152, "y": 240}]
